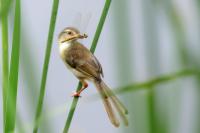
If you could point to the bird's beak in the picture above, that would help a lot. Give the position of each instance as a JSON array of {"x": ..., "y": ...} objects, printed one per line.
[
  {"x": 76, "y": 36},
  {"x": 81, "y": 36}
]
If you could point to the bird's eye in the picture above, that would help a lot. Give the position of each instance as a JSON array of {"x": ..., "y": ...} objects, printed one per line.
[{"x": 69, "y": 33}]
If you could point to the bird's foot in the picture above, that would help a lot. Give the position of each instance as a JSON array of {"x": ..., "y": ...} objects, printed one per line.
[{"x": 76, "y": 94}]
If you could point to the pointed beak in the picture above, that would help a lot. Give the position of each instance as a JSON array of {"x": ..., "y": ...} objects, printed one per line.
[
  {"x": 76, "y": 36},
  {"x": 82, "y": 36}
]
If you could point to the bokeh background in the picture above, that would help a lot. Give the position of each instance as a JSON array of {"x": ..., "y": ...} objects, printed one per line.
[{"x": 141, "y": 40}]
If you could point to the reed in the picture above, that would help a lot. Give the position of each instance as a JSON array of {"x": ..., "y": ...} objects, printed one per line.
[
  {"x": 5, "y": 63},
  {"x": 158, "y": 80},
  {"x": 14, "y": 72},
  {"x": 46, "y": 65}
]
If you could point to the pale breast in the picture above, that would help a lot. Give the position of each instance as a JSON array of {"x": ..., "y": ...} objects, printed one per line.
[{"x": 62, "y": 48}]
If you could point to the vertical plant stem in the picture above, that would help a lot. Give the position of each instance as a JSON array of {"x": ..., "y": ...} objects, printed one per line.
[
  {"x": 150, "y": 103},
  {"x": 123, "y": 42},
  {"x": 197, "y": 127},
  {"x": 19, "y": 124},
  {"x": 152, "y": 57},
  {"x": 5, "y": 64},
  {"x": 100, "y": 25},
  {"x": 46, "y": 64},
  {"x": 14, "y": 69},
  {"x": 92, "y": 49},
  {"x": 180, "y": 39},
  {"x": 5, "y": 8},
  {"x": 179, "y": 32},
  {"x": 123, "y": 52}
]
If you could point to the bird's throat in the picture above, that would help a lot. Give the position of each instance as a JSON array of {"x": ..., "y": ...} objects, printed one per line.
[{"x": 63, "y": 47}]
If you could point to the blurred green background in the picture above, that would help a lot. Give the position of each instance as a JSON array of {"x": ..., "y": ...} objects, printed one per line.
[{"x": 149, "y": 51}]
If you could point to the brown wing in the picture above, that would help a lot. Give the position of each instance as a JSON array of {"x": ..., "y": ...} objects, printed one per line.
[{"x": 80, "y": 58}]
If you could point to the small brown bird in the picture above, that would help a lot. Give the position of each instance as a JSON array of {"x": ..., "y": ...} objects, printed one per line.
[{"x": 85, "y": 66}]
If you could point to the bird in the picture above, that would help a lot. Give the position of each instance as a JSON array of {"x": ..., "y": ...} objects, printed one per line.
[{"x": 86, "y": 67}]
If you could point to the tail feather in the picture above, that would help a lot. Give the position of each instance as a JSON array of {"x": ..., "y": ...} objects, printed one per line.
[
  {"x": 117, "y": 103},
  {"x": 108, "y": 106},
  {"x": 107, "y": 92},
  {"x": 114, "y": 98}
]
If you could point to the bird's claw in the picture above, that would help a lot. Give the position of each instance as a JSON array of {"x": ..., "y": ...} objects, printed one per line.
[{"x": 76, "y": 94}]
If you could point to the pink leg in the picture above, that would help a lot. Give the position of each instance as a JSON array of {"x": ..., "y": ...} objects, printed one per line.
[{"x": 84, "y": 86}]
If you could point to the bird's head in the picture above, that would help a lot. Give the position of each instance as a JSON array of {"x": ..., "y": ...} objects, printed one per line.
[{"x": 70, "y": 34}]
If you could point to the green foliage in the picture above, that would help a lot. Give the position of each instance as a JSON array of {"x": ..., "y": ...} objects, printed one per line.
[
  {"x": 46, "y": 64},
  {"x": 10, "y": 72},
  {"x": 158, "y": 80},
  {"x": 5, "y": 8},
  {"x": 5, "y": 63},
  {"x": 13, "y": 75}
]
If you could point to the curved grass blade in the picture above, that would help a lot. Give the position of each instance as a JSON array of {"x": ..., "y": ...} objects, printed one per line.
[
  {"x": 46, "y": 64},
  {"x": 92, "y": 49}
]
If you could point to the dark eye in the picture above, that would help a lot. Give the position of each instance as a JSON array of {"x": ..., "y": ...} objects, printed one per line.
[{"x": 69, "y": 33}]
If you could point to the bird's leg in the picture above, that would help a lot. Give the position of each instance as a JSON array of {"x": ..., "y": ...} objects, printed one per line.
[{"x": 84, "y": 86}]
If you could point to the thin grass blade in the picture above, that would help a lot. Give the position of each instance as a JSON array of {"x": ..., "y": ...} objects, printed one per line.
[
  {"x": 46, "y": 64},
  {"x": 158, "y": 80}
]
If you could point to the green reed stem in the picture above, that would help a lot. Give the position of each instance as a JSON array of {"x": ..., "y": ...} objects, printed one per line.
[
  {"x": 92, "y": 49},
  {"x": 46, "y": 64},
  {"x": 152, "y": 58},
  {"x": 5, "y": 64},
  {"x": 161, "y": 79},
  {"x": 150, "y": 84},
  {"x": 5, "y": 8},
  {"x": 14, "y": 70}
]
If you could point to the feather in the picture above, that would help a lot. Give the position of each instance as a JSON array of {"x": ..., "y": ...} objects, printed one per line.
[
  {"x": 108, "y": 107},
  {"x": 106, "y": 93},
  {"x": 116, "y": 102}
]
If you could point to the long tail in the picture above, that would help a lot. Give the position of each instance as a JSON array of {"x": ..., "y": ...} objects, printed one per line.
[{"x": 108, "y": 96}]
